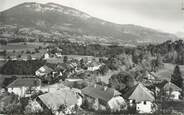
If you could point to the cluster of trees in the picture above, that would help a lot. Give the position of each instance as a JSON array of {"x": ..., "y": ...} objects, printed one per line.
[
  {"x": 172, "y": 52},
  {"x": 177, "y": 78},
  {"x": 3, "y": 42},
  {"x": 97, "y": 50},
  {"x": 122, "y": 81},
  {"x": 21, "y": 67},
  {"x": 3, "y": 53}
]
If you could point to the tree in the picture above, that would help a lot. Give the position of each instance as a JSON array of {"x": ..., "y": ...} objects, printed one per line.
[
  {"x": 121, "y": 81},
  {"x": 29, "y": 57},
  {"x": 103, "y": 69},
  {"x": 113, "y": 63},
  {"x": 4, "y": 53},
  {"x": 65, "y": 59},
  {"x": 62, "y": 108},
  {"x": 82, "y": 65},
  {"x": 19, "y": 56},
  {"x": 176, "y": 77}
]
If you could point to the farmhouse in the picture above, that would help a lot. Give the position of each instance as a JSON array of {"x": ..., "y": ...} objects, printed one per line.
[
  {"x": 103, "y": 98},
  {"x": 44, "y": 71},
  {"x": 46, "y": 56},
  {"x": 24, "y": 87},
  {"x": 142, "y": 97},
  {"x": 53, "y": 101},
  {"x": 93, "y": 66},
  {"x": 58, "y": 55},
  {"x": 172, "y": 91}
]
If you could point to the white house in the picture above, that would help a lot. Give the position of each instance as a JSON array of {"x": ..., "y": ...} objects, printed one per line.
[
  {"x": 44, "y": 71},
  {"x": 24, "y": 87},
  {"x": 92, "y": 66},
  {"x": 103, "y": 98},
  {"x": 142, "y": 97},
  {"x": 46, "y": 56},
  {"x": 172, "y": 91},
  {"x": 58, "y": 55}
]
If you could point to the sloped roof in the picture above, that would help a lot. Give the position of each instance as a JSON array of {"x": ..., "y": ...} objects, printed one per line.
[
  {"x": 99, "y": 92},
  {"x": 139, "y": 93},
  {"x": 64, "y": 66},
  {"x": 58, "y": 98},
  {"x": 171, "y": 86},
  {"x": 93, "y": 64},
  {"x": 45, "y": 69},
  {"x": 25, "y": 82}
]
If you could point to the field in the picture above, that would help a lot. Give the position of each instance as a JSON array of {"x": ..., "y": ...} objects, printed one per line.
[
  {"x": 167, "y": 71},
  {"x": 15, "y": 49},
  {"x": 20, "y": 46}
]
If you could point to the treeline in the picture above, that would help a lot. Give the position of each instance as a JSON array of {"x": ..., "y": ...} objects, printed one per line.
[
  {"x": 171, "y": 52},
  {"x": 97, "y": 50},
  {"x": 3, "y": 42},
  {"x": 21, "y": 67}
]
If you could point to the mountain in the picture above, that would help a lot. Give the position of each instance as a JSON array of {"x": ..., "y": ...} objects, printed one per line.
[
  {"x": 180, "y": 35},
  {"x": 53, "y": 21}
]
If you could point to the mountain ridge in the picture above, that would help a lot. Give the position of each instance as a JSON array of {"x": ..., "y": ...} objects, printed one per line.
[{"x": 51, "y": 17}]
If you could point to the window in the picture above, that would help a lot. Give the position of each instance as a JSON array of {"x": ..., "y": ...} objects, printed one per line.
[{"x": 144, "y": 102}]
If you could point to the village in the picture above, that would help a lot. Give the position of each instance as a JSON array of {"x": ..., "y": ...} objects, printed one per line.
[
  {"x": 91, "y": 57},
  {"x": 89, "y": 85}
]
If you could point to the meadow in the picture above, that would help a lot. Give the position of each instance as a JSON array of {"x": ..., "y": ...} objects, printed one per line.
[{"x": 166, "y": 72}]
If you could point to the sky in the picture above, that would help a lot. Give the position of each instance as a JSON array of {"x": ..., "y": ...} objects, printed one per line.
[{"x": 163, "y": 15}]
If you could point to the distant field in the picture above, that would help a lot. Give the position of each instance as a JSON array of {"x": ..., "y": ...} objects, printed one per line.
[
  {"x": 21, "y": 46},
  {"x": 167, "y": 71}
]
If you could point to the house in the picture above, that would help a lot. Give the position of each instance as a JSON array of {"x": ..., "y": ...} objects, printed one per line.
[
  {"x": 141, "y": 97},
  {"x": 150, "y": 75},
  {"x": 103, "y": 98},
  {"x": 58, "y": 55},
  {"x": 24, "y": 87},
  {"x": 172, "y": 90},
  {"x": 44, "y": 71},
  {"x": 92, "y": 66},
  {"x": 46, "y": 56},
  {"x": 53, "y": 101}
]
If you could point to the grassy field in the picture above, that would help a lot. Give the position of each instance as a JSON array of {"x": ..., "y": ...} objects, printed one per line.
[
  {"x": 22, "y": 48},
  {"x": 167, "y": 71}
]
